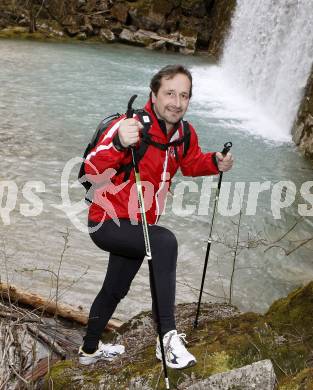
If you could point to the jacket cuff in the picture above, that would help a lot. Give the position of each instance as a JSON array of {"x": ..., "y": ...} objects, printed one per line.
[{"x": 215, "y": 160}]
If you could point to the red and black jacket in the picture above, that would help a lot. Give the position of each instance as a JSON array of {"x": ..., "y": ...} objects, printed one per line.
[{"x": 114, "y": 198}]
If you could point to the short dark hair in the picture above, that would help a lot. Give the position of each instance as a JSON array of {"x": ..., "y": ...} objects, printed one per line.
[{"x": 169, "y": 71}]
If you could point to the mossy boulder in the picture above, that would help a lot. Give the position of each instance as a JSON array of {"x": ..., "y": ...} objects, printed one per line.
[{"x": 294, "y": 311}]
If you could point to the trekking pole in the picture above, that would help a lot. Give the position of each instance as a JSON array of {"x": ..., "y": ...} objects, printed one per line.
[
  {"x": 226, "y": 149},
  {"x": 129, "y": 114}
]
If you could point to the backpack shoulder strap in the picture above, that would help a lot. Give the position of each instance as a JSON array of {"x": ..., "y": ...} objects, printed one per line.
[
  {"x": 145, "y": 119},
  {"x": 186, "y": 130}
]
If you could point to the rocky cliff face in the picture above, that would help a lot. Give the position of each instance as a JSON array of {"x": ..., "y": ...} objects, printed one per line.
[
  {"x": 302, "y": 132},
  {"x": 185, "y": 26}
]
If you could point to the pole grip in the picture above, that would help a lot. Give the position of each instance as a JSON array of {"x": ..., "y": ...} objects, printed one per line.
[
  {"x": 227, "y": 147},
  {"x": 130, "y": 110}
]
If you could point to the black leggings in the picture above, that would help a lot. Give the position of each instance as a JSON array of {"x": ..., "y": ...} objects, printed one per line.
[{"x": 127, "y": 251}]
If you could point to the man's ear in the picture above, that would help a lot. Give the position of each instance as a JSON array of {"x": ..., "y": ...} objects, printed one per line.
[{"x": 153, "y": 97}]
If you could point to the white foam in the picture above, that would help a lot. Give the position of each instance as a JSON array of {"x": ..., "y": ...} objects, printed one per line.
[
  {"x": 214, "y": 96},
  {"x": 269, "y": 54}
]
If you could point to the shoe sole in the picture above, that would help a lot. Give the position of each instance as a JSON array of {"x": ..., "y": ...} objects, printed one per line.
[
  {"x": 86, "y": 362},
  {"x": 189, "y": 364}
]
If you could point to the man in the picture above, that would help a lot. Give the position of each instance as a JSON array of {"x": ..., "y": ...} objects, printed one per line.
[{"x": 121, "y": 234}]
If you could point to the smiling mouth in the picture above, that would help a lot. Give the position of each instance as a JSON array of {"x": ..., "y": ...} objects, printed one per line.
[{"x": 173, "y": 111}]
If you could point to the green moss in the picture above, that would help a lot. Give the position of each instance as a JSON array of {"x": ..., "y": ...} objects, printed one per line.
[
  {"x": 23, "y": 33},
  {"x": 59, "y": 375},
  {"x": 301, "y": 381},
  {"x": 218, "y": 362},
  {"x": 294, "y": 311}
]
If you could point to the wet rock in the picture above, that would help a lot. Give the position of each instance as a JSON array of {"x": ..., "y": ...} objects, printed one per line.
[
  {"x": 132, "y": 28},
  {"x": 127, "y": 36},
  {"x": 82, "y": 36},
  {"x": 116, "y": 28},
  {"x": 158, "y": 45},
  {"x": 298, "y": 133},
  {"x": 259, "y": 375},
  {"x": 186, "y": 51},
  {"x": 72, "y": 30},
  {"x": 175, "y": 41},
  {"x": 107, "y": 35},
  {"x": 306, "y": 144},
  {"x": 87, "y": 29},
  {"x": 302, "y": 131},
  {"x": 71, "y": 25},
  {"x": 189, "y": 43},
  {"x": 98, "y": 21},
  {"x": 24, "y": 22},
  {"x": 146, "y": 37},
  {"x": 140, "y": 37}
]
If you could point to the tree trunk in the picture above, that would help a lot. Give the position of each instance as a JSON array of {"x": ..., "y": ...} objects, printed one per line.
[{"x": 32, "y": 17}]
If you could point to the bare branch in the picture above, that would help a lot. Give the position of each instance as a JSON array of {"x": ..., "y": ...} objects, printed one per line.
[
  {"x": 197, "y": 289},
  {"x": 234, "y": 259},
  {"x": 299, "y": 246},
  {"x": 287, "y": 232}
]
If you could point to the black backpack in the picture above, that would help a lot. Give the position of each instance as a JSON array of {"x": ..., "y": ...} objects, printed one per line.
[{"x": 146, "y": 140}]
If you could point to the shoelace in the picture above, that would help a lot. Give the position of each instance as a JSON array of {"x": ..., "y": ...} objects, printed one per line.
[{"x": 181, "y": 337}]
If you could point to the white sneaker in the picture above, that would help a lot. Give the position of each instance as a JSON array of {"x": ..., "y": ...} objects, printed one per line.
[
  {"x": 176, "y": 354},
  {"x": 104, "y": 352}
]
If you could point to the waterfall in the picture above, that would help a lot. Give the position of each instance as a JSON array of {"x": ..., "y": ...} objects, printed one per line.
[{"x": 269, "y": 54}]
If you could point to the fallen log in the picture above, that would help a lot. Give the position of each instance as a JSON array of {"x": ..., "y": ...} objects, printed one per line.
[
  {"x": 16, "y": 295},
  {"x": 43, "y": 366}
]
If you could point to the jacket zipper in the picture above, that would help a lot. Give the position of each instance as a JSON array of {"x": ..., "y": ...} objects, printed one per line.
[{"x": 163, "y": 178}]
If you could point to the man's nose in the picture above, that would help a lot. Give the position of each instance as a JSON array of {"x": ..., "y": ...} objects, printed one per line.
[{"x": 177, "y": 101}]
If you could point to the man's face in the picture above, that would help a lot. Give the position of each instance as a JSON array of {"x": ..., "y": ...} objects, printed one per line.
[{"x": 172, "y": 99}]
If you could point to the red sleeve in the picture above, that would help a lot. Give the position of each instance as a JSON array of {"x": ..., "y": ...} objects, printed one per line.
[
  {"x": 197, "y": 163},
  {"x": 104, "y": 155}
]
